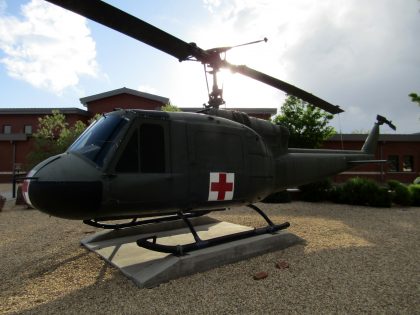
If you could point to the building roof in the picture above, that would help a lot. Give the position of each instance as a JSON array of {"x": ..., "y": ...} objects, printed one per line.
[
  {"x": 124, "y": 90},
  {"x": 415, "y": 137},
  {"x": 43, "y": 111},
  {"x": 256, "y": 110}
]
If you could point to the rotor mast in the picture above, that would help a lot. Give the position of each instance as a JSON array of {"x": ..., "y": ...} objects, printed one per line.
[{"x": 215, "y": 61}]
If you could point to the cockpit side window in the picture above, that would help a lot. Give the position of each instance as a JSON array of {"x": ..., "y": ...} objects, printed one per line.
[
  {"x": 145, "y": 151},
  {"x": 129, "y": 160},
  {"x": 152, "y": 148}
]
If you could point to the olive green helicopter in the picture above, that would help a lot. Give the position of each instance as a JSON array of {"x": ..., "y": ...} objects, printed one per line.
[{"x": 146, "y": 167}]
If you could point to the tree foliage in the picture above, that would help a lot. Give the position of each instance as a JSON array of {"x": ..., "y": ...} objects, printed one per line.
[
  {"x": 307, "y": 124},
  {"x": 415, "y": 98},
  {"x": 54, "y": 136},
  {"x": 170, "y": 108}
]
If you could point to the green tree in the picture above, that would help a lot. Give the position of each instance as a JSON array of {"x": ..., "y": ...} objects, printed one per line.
[
  {"x": 54, "y": 136},
  {"x": 307, "y": 124},
  {"x": 170, "y": 108},
  {"x": 415, "y": 98}
]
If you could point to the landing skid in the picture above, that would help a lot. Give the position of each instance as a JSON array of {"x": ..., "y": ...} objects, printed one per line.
[{"x": 179, "y": 250}]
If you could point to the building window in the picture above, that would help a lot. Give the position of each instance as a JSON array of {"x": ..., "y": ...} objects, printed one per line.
[
  {"x": 28, "y": 129},
  {"x": 408, "y": 163},
  {"x": 393, "y": 163},
  {"x": 7, "y": 129}
]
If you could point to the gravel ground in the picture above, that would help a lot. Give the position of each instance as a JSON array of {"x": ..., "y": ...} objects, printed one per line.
[{"x": 356, "y": 260}]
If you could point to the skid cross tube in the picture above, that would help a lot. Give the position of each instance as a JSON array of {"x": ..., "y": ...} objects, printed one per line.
[{"x": 179, "y": 250}]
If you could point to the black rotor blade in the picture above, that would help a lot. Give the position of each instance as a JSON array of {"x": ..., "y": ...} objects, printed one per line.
[
  {"x": 284, "y": 86},
  {"x": 127, "y": 24}
]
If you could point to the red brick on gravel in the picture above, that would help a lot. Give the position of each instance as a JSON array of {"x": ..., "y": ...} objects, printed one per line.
[
  {"x": 282, "y": 264},
  {"x": 260, "y": 275}
]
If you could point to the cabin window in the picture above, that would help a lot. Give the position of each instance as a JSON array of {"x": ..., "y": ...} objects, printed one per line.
[
  {"x": 129, "y": 160},
  {"x": 393, "y": 163},
  {"x": 408, "y": 163},
  {"x": 152, "y": 148}
]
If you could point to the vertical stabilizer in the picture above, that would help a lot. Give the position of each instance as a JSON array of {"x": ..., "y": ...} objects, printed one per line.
[{"x": 369, "y": 147}]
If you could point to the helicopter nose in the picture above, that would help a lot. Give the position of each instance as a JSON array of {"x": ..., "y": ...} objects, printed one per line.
[{"x": 64, "y": 186}]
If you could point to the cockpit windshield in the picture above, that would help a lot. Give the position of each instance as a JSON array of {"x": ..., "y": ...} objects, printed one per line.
[{"x": 95, "y": 142}]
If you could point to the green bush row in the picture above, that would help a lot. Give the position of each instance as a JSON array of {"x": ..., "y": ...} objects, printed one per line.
[
  {"x": 355, "y": 191},
  {"x": 361, "y": 191}
]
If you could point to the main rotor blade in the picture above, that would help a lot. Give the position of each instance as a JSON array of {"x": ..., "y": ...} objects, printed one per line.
[
  {"x": 127, "y": 24},
  {"x": 284, "y": 86}
]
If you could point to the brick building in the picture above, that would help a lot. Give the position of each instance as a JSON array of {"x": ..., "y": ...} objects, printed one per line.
[
  {"x": 18, "y": 124},
  {"x": 17, "y": 127},
  {"x": 401, "y": 150}
]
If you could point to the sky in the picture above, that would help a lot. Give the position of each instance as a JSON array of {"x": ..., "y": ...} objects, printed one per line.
[{"x": 361, "y": 55}]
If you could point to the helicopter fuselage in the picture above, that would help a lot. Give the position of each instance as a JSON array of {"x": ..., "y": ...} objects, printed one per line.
[{"x": 136, "y": 163}]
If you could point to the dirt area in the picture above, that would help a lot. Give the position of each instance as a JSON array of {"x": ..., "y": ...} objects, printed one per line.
[{"x": 356, "y": 260}]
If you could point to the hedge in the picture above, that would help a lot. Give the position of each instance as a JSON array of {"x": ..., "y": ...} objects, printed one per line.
[{"x": 361, "y": 191}]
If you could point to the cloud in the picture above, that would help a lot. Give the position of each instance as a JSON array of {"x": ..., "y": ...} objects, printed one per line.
[
  {"x": 362, "y": 56},
  {"x": 48, "y": 47},
  {"x": 147, "y": 89}
]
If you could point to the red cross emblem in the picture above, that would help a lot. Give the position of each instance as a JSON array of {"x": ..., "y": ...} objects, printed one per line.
[{"x": 221, "y": 186}]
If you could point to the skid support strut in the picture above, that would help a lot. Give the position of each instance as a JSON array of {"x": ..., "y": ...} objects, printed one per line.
[{"x": 179, "y": 250}]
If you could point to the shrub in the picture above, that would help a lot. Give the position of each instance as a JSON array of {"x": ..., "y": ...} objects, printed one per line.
[
  {"x": 278, "y": 197},
  {"x": 317, "y": 191},
  {"x": 415, "y": 194},
  {"x": 337, "y": 195},
  {"x": 381, "y": 198},
  {"x": 416, "y": 181},
  {"x": 400, "y": 193},
  {"x": 361, "y": 191}
]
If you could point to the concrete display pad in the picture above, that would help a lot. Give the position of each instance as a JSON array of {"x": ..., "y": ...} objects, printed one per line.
[{"x": 149, "y": 268}]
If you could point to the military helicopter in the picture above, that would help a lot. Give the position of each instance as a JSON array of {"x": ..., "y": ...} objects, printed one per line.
[{"x": 152, "y": 166}]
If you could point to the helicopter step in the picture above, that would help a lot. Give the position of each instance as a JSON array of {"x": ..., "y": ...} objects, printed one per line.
[{"x": 180, "y": 250}]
